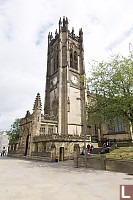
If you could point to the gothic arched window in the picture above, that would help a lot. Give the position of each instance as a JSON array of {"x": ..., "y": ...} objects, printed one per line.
[
  {"x": 71, "y": 58},
  {"x": 57, "y": 61},
  {"x": 116, "y": 125},
  {"x": 55, "y": 107},
  {"x": 75, "y": 60},
  {"x": 54, "y": 64}
]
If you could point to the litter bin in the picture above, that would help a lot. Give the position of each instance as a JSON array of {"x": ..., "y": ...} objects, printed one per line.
[{"x": 56, "y": 159}]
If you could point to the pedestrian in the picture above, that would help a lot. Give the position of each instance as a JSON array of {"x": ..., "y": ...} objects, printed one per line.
[
  {"x": 91, "y": 148},
  {"x": 88, "y": 148},
  {"x": 104, "y": 145},
  {"x": 3, "y": 152},
  {"x": 115, "y": 141},
  {"x": 107, "y": 142},
  {"x": 83, "y": 151}
]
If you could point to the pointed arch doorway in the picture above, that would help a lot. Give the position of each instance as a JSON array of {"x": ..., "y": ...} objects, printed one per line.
[
  {"x": 26, "y": 145},
  {"x": 61, "y": 154}
]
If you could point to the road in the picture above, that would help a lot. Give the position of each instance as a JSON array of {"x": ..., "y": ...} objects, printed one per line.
[{"x": 36, "y": 180}]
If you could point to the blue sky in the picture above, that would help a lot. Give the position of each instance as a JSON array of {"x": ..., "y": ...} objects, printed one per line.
[{"x": 24, "y": 26}]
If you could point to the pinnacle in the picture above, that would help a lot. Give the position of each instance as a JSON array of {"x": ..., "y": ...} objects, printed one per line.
[{"x": 37, "y": 103}]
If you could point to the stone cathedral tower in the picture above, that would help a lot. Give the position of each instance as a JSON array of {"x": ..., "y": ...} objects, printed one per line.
[
  {"x": 58, "y": 133},
  {"x": 65, "y": 70}
]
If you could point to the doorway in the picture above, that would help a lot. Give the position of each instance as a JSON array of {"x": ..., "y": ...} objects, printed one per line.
[
  {"x": 26, "y": 146},
  {"x": 61, "y": 158}
]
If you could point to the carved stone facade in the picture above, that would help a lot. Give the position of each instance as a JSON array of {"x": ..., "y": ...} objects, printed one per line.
[{"x": 59, "y": 131}]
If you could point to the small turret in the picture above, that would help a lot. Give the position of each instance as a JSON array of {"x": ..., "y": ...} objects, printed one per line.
[
  {"x": 72, "y": 32},
  {"x": 65, "y": 23},
  {"x": 50, "y": 37},
  {"x": 66, "y": 20},
  {"x": 56, "y": 33},
  {"x": 37, "y": 103},
  {"x": 81, "y": 34},
  {"x": 60, "y": 23},
  {"x": 27, "y": 113},
  {"x": 36, "y": 120}
]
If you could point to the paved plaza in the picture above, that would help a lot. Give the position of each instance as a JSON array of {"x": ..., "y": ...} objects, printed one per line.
[{"x": 36, "y": 180}]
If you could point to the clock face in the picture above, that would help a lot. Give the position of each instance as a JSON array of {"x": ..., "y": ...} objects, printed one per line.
[
  {"x": 74, "y": 79},
  {"x": 55, "y": 80}
]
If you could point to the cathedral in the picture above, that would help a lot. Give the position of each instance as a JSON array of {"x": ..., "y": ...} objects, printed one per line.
[{"x": 60, "y": 130}]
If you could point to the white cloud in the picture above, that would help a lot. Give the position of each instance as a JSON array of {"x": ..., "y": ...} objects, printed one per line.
[{"x": 24, "y": 25}]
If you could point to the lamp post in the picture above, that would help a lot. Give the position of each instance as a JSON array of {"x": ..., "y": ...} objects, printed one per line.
[{"x": 84, "y": 128}]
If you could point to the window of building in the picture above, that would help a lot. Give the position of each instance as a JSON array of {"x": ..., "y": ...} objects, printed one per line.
[
  {"x": 42, "y": 130},
  {"x": 75, "y": 60},
  {"x": 55, "y": 107},
  {"x": 54, "y": 64},
  {"x": 54, "y": 60},
  {"x": 57, "y": 61},
  {"x": 50, "y": 129},
  {"x": 71, "y": 58},
  {"x": 116, "y": 125},
  {"x": 44, "y": 146}
]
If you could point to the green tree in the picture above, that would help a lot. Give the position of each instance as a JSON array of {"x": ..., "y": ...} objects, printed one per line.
[
  {"x": 111, "y": 85},
  {"x": 15, "y": 130}
]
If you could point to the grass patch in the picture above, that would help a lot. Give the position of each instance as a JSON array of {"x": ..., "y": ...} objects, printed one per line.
[{"x": 125, "y": 153}]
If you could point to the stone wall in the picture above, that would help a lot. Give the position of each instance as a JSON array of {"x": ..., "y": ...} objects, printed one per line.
[
  {"x": 55, "y": 147},
  {"x": 103, "y": 163},
  {"x": 119, "y": 136},
  {"x": 119, "y": 165},
  {"x": 49, "y": 147}
]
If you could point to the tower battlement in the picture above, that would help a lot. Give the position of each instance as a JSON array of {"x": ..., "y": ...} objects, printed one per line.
[{"x": 63, "y": 27}]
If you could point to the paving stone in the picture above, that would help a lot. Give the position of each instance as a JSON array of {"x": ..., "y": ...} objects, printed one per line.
[{"x": 35, "y": 180}]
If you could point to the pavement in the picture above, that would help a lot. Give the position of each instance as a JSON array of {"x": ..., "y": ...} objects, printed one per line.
[{"x": 37, "y": 180}]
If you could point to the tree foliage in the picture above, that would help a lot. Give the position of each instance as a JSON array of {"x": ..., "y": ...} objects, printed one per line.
[
  {"x": 111, "y": 85},
  {"x": 15, "y": 130}
]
